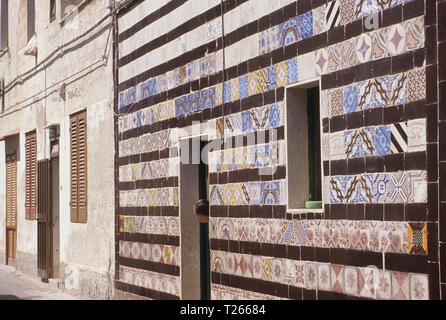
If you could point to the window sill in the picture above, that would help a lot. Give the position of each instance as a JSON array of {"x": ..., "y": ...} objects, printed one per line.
[{"x": 297, "y": 211}]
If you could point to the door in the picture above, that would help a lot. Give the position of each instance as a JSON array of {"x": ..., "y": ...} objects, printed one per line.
[
  {"x": 11, "y": 209},
  {"x": 44, "y": 220},
  {"x": 203, "y": 187}
]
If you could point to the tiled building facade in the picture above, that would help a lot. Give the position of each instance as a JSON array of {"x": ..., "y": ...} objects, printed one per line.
[{"x": 237, "y": 74}]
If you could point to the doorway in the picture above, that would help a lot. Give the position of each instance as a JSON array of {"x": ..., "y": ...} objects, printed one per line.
[
  {"x": 11, "y": 209},
  {"x": 195, "y": 248}
]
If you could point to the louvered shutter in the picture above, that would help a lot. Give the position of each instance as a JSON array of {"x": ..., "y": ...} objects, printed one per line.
[
  {"x": 31, "y": 176},
  {"x": 78, "y": 134},
  {"x": 11, "y": 192}
]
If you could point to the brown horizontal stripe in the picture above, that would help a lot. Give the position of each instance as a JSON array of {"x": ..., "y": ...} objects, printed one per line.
[
  {"x": 254, "y": 211},
  {"x": 150, "y": 266},
  {"x": 149, "y": 184},
  {"x": 146, "y": 157},
  {"x": 165, "y": 211},
  {"x": 156, "y": 15},
  {"x": 149, "y": 238},
  {"x": 141, "y": 291}
]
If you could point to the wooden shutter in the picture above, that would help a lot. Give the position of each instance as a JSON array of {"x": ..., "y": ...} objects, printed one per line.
[
  {"x": 31, "y": 176},
  {"x": 44, "y": 219},
  {"x": 11, "y": 191},
  {"x": 78, "y": 137}
]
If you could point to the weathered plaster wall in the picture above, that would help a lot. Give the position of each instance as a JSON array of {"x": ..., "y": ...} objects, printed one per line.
[{"x": 84, "y": 70}]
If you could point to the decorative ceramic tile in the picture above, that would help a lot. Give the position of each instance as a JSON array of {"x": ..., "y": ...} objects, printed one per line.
[
  {"x": 351, "y": 282},
  {"x": 347, "y": 11},
  {"x": 379, "y": 44},
  {"x": 288, "y": 32},
  {"x": 267, "y": 272},
  {"x": 282, "y": 74},
  {"x": 382, "y": 140},
  {"x": 416, "y": 84},
  {"x": 417, "y": 185},
  {"x": 398, "y": 137},
  {"x": 400, "y": 286},
  {"x": 398, "y": 187},
  {"x": 323, "y": 274},
  {"x": 414, "y": 33},
  {"x": 305, "y": 25},
  {"x": 333, "y": 16},
  {"x": 378, "y": 184},
  {"x": 336, "y": 102},
  {"x": 367, "y": 7},
  {"x": 371, "y": 95},
  {"x": 367, "y": 281},
  {"x": 243, "y": 86},
  {"x": 321, "y": 61},
  {"x": 349, "y": 55},
  {"x": 384, "y": 285},
  {"x": 419, "y": 287},
  {"x": 359, "y": 143},
  {"x": 271, "y": 78},
  {"x": 396, "y": 39},
  {"x": 291, "y": 67},
  {"x": 311, "y": 275},
  {"x": 351, "y": 98},
  {"x": 150, "y": 280},
  {"x": 335, "y": 57},
  {"x": 319, "y": 21},
  {"x": 337, "y": 278},
  {"x": 364, "y": 48},
  {"x": 416, "y": 135},
  {"x": 227, "y": 92},
  {"x": 417, "y": 238}
]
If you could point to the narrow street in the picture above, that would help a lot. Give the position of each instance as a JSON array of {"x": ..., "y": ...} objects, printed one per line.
[{"x": 16, "y": 286}]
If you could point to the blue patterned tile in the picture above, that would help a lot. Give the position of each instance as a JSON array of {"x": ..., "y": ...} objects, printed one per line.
[
  {"x": 207, "y": 98},
  {"x": 378, "y": 184},
  {"x": 227, "y": 92},
  {"x": 181, "y": 106},
  {"x": 130, "y": 96},
  {"x": 291, "y": 70},
  {"x": 359, "y": 193},
  {"x": 382, "y": 140},
  {"x": 121, "y": 99},
  {"x": 358, "y": 143},
  {"x": 339, "y": 187},
  {"x": 288, "y": 32},
  {"x": 274, "y": 116},
  {"x": 193, "y": 101},
  {"x": 261, "y": 156},
  {"x": 305, "y": 25},
  {"x": 270, "y": 193},
  {"x": 138, "y": 119},
  {"x": 271, "y": 81},
  {"x": 243, "y": 86},
  {"x": 247, "y": 122},
  {"x": 351, "y": 98},
  {"x": 149, "y": 116}
]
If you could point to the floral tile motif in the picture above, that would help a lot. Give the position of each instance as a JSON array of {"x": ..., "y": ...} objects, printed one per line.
[
  {"x": 359, "y": 143},
  {"x": 395, "y": 87},
  {"x": 384, "y": 285},
  {"x": 279, "y": 270},
  {"x": 243, "y": 86},
  {"x": 419, "y": 287},
  {"x": 323, "y": 276},
  {"x": 359, "y": 193},
  {"x": 371, "y": 94},
  {"x": 319, "y": 22},
  {"x": 400, "y": 286},
  {"x": 295, "y": 273},
  {"x": 351, "y": 282},
  {"x": 349, "y": 56},
  {"x": 227, "y": 92},
  {"x": 311, "y": 275},
  {"x": 378, "y": 184},
  {"x": 382, "y": 140},
  {"x": 264, "y": 43},
  {"x": 379, "y": 44},
  {"x": 271, "y": 78}
]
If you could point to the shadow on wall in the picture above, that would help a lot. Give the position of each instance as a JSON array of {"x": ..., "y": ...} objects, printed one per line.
[{"x": 9, "y": 297}]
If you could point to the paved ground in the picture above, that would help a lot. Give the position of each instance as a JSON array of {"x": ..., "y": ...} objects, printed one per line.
[{"x": 16, "y": 286}]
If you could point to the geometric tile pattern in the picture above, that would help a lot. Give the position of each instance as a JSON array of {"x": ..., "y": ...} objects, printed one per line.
[
  {"x": 192, "y": 71},
  {"x": 248, "y": 193},
  {"x": 383, "y": 91},
  {"x": 376, "y": 236},
  {"x": 150, "y": 252},
  {"x": 150, "y": 280},
  {"x": 147, "y": 143},
  {"x": 149, "y": 197},
  {"x": 390, "y": 187},
  {"x": 149, "y": 170},
  {"x": 150, "y": 225},
  {"x": 368, "y": 282}
]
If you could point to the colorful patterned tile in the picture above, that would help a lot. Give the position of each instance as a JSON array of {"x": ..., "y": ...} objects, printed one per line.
[
  {"x": 305, "y": 25},
  {"x": 378, "y": 184},
  {"x": 417, "y": 238},
  {"x": 382, "y": 140},
  {"x": 279, "y": 270},
  {"x": 323, "y": 276},
  {"x": 349, "y": 56},
  {"x": 337, "y": 278},
  {"x": 351, "y": 282},
  {"x": 416, "y": 85},
  {"x": 371, "y": 95},
  {"x": 419, "y": 287},
  {"x": 414, "y": 33},
  {"x": 398, "y": 137},
  {"x": 347, "y": 11},
  {"x": 288, "y": 32},
  {"x": 364, "y": 48},
  {"x": 319, "y": 22},
  {"x": 384, "y": 285},
  {"x": 271, "y": 78},
  {"x": 262, "y": 78},
  {"x": 281, "y": 74},
  {"x": 267, "y": 269},
  {"x": 359, "y": 192},
  {"x": 335, "y": 57},
  {"x": 291, "y": 67},
  {"x": 367, "y": 281},
  {"x": 311, "y": 275},
  {"x": 367, "y": 7},
  {"x": 270, "y": 193},
  {"x": 359, "y": 143},
  {"x": 396, "y": 39},
  {"x": 336, "y": 102},
  {"x": 243, "y": 86},
  {"x": 379, "y": 44},
  {"x": 351, "y": 98},
  {"x": 400, "y": 286},
  {"x": 295, "y": 273},
  {"x": 395, "y": 87},
  {"x": 227, "y": 92},
  {"x": 322, "y": 61}
]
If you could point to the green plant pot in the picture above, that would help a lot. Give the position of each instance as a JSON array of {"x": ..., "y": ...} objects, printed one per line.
[{"x": 313, "y": 204}]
